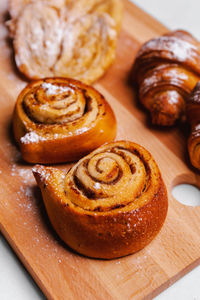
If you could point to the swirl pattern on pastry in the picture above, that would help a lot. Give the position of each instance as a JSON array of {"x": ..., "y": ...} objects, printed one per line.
[
  {"x": 79, "y": 7},
  {"x": 37, "y": 43},
  {"x": 75, "y": 39},
  {"x": 59, "y": 119},
  {"x": 193, "y": 114},
  {"x": 111, "y": 203},
  {"x": 16, "y": 8},
  {"x": 112, "y": 8},
  {"x": 166, "y": 70},
  {"x": 95, "y": 52}
]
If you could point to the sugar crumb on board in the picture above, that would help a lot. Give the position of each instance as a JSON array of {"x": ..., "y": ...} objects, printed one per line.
[
  {"x": 26, "y": 201},
  {"x": 25, "y": 174}
]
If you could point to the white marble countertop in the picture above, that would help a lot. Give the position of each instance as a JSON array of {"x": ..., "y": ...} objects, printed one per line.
[{"x": 15, "y": 282}]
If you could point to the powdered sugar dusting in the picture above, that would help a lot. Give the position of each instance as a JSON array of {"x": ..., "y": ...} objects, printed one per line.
[
  {"x": 182, "y": 49},
  {"x": 42, "y": 171},
  {"x": 31, "y": 137},
  {"x": 197, "y": 127},
  {"x": 25, "y": 199},
  {"x": 81, "y": 130},
  {"x": 25, "y": 173},
  {"x": 177, "y": 48},
  {"x": 97, "y": 185},
  {"x": 52, "y": 89},
  {"x": 168, "y": 75},
  {"x": 29, "y": 215}
]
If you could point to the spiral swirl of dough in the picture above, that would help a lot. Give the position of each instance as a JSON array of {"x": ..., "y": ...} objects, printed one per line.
[
  {"x": 112, "y": 177},
  {"x": 62, "y": 117},
  {"x": 111, "y": 203},
  {"x": 60, "y": 104},
  {"x": 86, "y": 57},
  {"x": 52, "y": 103}
]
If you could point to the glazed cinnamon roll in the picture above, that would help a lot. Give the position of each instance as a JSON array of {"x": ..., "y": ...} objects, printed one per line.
[
  {"x": 75, "y": 39},
  {"x": 60, "y": 120},
  {"x": 111, "y": 203},
  {"x": 166, "y": 70},
  {"x": 193, "y": 114}
]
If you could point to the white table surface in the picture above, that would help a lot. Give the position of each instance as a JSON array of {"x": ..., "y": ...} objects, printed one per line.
[{"x": 15, "y": 282}]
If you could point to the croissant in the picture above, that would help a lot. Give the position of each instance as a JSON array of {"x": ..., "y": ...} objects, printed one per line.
[
  {"x": 75, "y": 39},
  {"x": 111, "y": 203},
  {"x": 60, "y": 120},
  {"x": 193, "y": 115},
  {"x": 166, "y": 70}
]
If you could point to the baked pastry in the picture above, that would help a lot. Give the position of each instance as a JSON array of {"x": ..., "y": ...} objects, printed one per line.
[
  {"x": 60, "y": 120},
  {"x": 166, "y": 70},
  {"x": 16, "y": 7},
  {"x": 111, "y": 203},
  {"x": 193, "y": 115},
  {"x": 79, "y": 7},
  {"x": 75, "y": 39},
  {"x": 87, "y": 56},
  {"x": 112, "y": 8}
]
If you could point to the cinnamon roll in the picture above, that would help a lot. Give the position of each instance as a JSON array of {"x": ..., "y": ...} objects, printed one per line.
[
  {"x": 166, "y": 70},
  {"x": 60, "y": 120},
  {"x": 193, "y": 114},
  {"x": 111, "y": 203},
  {"x": 75, "y": 39}
]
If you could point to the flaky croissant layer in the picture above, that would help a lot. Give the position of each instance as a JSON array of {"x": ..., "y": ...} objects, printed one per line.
[
  {"x": 111, "y": 203},
  {"x": 166, "y": 70},
  {"x": 59, "y": 120},
  {"x": 193, "y": 114}
]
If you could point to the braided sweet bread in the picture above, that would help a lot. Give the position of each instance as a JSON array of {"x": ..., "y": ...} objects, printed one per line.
[
  {"x": 166, "y": 70},
  {"x": 59, "y": 120},
  {"x": 111, "y": 203}
]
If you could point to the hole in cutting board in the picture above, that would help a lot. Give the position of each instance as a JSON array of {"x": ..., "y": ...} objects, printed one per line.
[{"x": 187, "y": 194}]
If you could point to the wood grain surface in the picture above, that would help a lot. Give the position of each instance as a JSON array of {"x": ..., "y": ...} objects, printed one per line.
[{"x": 59, "y": 272}]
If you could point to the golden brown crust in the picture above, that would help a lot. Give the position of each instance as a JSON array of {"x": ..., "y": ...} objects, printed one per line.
[
  {"x": 193, "y": 114},
  {"x": 75, "y": 39},
  {"x": 59, "y": 120},
  {"x": 166, "y": 70},
  {"x": 111, "y": 203}
]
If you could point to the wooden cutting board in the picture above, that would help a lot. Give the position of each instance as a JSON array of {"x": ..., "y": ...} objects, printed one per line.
[{"x": 60, "y": 273}]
